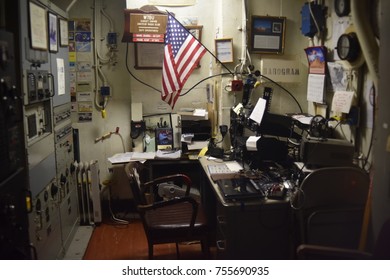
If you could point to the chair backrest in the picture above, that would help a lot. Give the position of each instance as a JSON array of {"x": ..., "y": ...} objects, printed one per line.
[
  {"x": 331, "y": 203},
  {"x": 133, "y": 172},
  {"x": 382, "y": 245},
  {"x": 333, "y": 186}
]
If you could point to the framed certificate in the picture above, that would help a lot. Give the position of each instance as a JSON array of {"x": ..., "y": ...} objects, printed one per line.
[
  {"x": 64, "y": 40},
  {"x": 38, "y": 27},
  {"x": 148, "y": 55},
  {"x": 224, "y": 50}
]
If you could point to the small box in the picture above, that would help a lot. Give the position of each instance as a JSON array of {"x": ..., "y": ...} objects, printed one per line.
[{"x": 236, "y": 85}]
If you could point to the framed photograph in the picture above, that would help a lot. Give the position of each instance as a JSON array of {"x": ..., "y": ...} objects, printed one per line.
[
  {"x": 148, "y": 55},
  {"x": 164, "y": 138},
  {"x": 196, "y": 31},
  {"x": 53, "y": 32},
  {"x": 267, "y": 34},
  {"x": 224, "y": 50},
  {"x": 38, "y": 27},
  {"x": 64, "y": 39}
]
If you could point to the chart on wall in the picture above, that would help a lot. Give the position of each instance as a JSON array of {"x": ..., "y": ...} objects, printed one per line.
[{"x": 80, "y": 62}]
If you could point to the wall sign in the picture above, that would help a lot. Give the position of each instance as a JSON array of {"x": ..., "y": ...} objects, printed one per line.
[
  {"x": 147, "y": 27},
  {"x": 148, "y": 23}
]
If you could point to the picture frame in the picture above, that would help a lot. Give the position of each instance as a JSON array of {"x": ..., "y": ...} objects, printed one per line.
[
  {"x": 224, "y": 50},
  {"x": 196, "y": 31},
  {"x": 148, "y": 55},
  {"x": 53, "y": 32},
  {"x": 38, "y": 27},
  {"x": 64, "y": 36},
  {"x": 267, "y": 34}
]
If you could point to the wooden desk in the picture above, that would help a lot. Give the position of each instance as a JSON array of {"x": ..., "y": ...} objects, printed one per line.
[{"x": 251, "y": 229}]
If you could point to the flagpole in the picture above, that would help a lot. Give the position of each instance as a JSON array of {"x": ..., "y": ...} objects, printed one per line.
[{"x": 204, "y": 46}]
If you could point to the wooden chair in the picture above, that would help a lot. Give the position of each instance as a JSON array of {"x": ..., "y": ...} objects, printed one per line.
[
  {"x": 176, "y": 220},
  {"x": 329, "y": 207}
]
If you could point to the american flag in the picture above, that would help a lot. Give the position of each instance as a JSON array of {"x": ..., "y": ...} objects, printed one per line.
[{"x": 182, "y": 53}]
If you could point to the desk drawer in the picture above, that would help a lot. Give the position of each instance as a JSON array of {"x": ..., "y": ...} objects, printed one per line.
[{"x": 253, "y": 231}]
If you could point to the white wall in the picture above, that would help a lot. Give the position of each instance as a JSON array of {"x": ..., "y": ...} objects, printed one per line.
[{"x": 118, "y": 109}]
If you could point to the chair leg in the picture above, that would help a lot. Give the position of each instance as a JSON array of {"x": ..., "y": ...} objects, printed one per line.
[
  {"x": 205, "y": 247},
  {"x": 150, "y": 248},
  {"x": 177, "y": 250}
]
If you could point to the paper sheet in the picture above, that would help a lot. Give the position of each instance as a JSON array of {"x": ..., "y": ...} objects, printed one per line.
[
  {"x": 197, "y": 145},
  {"x": 316, "y": 88},
  {"x": 60, "y": 76},
  {"x": 168, "y": 154},
  {"x": 234, "y": 166},
  {"x": 120, "y": 158},
  {"x": 258, "y": 111}
]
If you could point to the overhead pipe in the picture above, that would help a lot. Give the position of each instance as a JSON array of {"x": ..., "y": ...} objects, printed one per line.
[
  {"x": 70, "y": 6},
  {"x": 366, "y": 37}
]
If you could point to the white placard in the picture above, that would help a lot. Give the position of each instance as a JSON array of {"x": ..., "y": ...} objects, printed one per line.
[{"x": 60, "y": 76}]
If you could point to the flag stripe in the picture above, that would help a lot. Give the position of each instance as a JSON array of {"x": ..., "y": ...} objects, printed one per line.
[
  {"x": 184, "y": 75},
  {"x": 182, "y": 53},
  {"x": 170, "y": 77}
]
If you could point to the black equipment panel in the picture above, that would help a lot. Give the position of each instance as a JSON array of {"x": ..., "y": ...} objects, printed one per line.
[{"x": 14, "y": 196}]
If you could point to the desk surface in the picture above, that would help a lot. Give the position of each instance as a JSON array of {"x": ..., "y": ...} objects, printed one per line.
[
  {"x": 204, "y": 162},
  {"x": 143, "y": 156}
]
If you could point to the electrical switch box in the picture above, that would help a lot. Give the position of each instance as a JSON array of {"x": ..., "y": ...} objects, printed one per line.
[{"x": 312, "y": 19}]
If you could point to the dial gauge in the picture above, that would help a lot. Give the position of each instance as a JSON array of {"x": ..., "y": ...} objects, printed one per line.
[
  {"x": 342, "y": 7},
  {"x": 348, "y": 47}
]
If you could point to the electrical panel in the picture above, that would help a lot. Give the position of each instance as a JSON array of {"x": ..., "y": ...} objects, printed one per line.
[
  {"x": 312, "y": 19},
  {"x": 38, "y": 86},
  {"x": 45, "y": 230},
  {"x": 38, "y": 122},
  {"x": 63, "y": 137},
  {"x": 14, "y": 196},
  {"x": 65, "y": 171}
]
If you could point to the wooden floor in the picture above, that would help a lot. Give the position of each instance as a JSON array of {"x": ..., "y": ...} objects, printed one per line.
[{"x": 114, "y": 241}]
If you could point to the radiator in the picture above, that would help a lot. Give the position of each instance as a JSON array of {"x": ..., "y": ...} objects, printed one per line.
[{"x": 88, "y": 187}]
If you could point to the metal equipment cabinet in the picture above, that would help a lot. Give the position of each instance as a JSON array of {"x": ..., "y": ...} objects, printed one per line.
[{"x": 251, "y": 229}]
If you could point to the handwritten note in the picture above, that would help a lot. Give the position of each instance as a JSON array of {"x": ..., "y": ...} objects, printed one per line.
[{"x": 342, "y": 101}]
